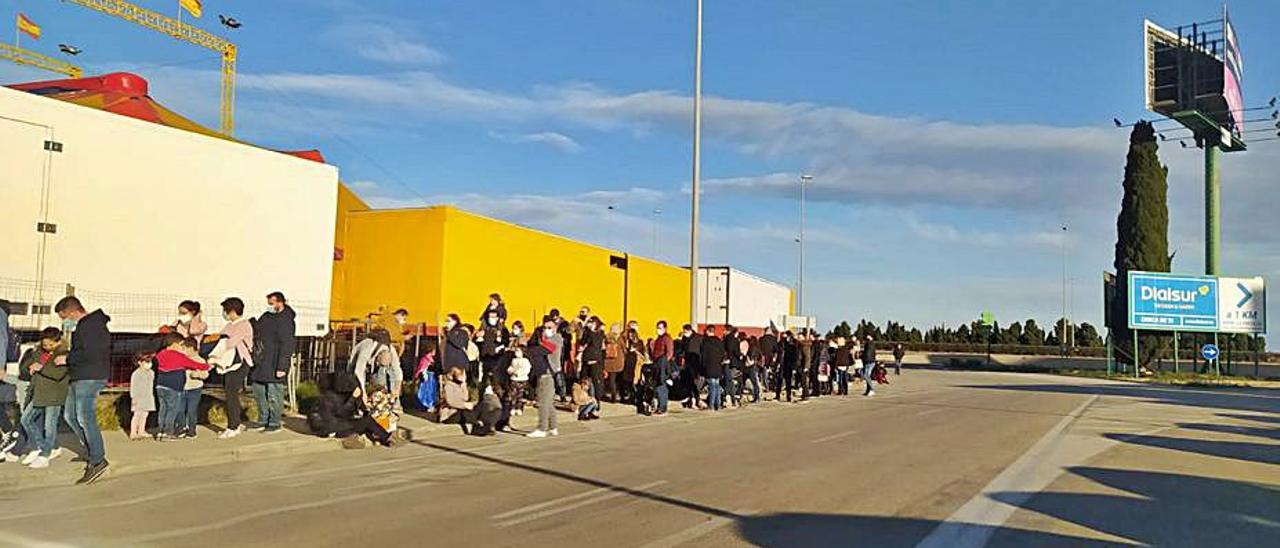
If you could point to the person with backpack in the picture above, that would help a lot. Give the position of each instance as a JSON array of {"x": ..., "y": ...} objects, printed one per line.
[
  {"x": 89, "y": 366},
  {"x": 275, "y": 339}
]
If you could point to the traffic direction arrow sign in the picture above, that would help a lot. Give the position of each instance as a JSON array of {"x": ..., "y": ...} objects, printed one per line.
[{"x": 1210, "y": 352}]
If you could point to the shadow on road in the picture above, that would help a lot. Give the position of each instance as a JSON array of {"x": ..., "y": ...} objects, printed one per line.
[
  {"x": 1264, "y": 453},
  {"x": 1265, "y": 433},
  {"x": 791, "y": 529},
  {"x": 1235, "y": 400},
  {"x": 1163, "y": 509},
  {"x": 1254, "y": 418}
]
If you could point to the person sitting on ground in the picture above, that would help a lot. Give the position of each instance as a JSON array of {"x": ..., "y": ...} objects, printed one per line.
[
  {"x": 475, "y": 417},
  {"x": 49, "y": 380},
  {"x": 587, "y": 406},
  {"x": 341, "y": 413}
]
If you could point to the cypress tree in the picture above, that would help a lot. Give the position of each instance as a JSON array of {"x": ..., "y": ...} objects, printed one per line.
[{"x": 1142, "y": 241}]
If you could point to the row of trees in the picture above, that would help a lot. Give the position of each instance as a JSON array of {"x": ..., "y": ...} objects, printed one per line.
[{"x": 1028, "y": 333}]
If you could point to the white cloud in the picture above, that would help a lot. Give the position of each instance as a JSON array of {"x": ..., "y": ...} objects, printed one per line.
[
  {"x": 553, "y": 139},
  {"x": 386, "y": 44}
]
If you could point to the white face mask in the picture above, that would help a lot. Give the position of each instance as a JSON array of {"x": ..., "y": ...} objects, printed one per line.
[
  {"x": 662, "y": 331},
  {"x": 226, "y": 316},
  {"x": 549, "y": 332},
  {"x": 400, "y": 320},
  {"x": 517, "y": 331},
  {"x": 270, "y": 310},
  {"x": 185, "y": 318},
  {"x": 450, "y": 324},
  {"x": 493, "y": 321}
]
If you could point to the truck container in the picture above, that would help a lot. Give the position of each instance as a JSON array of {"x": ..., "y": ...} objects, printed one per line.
[
  {"x": 728, "y": 296},
  {"x": 134, "y": 216}
]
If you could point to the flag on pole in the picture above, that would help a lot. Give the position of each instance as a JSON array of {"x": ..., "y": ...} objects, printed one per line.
[
  {"x": 192, "y": 6},
  {"x": 28, "y": 27}
]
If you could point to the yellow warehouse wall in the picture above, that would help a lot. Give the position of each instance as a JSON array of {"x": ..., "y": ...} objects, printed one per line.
[
  {"x": 392, "y": 259},
  {"x": 347, "y": 203},
  {"x": 533, "y": 271},
  {"x": 657, "y": 291}
]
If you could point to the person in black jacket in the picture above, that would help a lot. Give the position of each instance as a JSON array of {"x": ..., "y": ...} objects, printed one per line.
[
  {"x": 454, "y": 350},
  {"x": 787, "y": 369},
  {"x": 274, "y": 341},
  {"x": 768, "y": 357},
  {"x": 713, "y": 366},
  {"x": 593, "y": 354},
  {"x": 88, "y": 366},
  {"x": 342, "y": 413},
  {"x": 869, "y": 365},
  {"x": 691, "y": 365},
  {"x": 492, "y": 339}
]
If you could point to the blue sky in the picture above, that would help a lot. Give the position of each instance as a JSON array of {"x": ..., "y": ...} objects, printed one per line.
[{"x": 949, "y": 140}]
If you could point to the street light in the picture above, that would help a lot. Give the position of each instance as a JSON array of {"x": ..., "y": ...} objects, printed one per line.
[
  {"x": 613, "y": 236},
  {"x": 1063, "y": 335},
  {"x": 804, "y": 180},
  {"x": 697, "y": 169},
  {"x": 656, "y": 214}
]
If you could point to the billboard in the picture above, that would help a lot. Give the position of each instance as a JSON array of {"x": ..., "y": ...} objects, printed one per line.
[
  {"x": 1232, "y": 75},
  {"x": 1242, "y": 305},
  {"x": 1172, "y": 302}
]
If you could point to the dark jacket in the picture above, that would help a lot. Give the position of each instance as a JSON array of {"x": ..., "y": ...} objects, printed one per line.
[
  {"x": 90, "y": 357},
  {"x": 768, "y": 348},
  {"x": 539, "y": 351},
  {"x": 592, "y": 346},
  {"x": 790, "y": 355},
  {"x": 493, "y": 337},
  {"x": 899, "y": 352},
  {"x": 868, "y": 352},
  {"x": 712, "y": 356},
  {"x": 502, "y": 314},
  {"x": 274, "y": 340},
  {"x": 844, "y": 357},
  {"x": 49, "y": 384},
  {"x": 455, "y": 349}
]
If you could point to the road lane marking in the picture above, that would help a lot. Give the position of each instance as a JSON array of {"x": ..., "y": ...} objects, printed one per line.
[
  {"x": 552, "y": 502},
  {"x": 972, "y": 525},
  {"x": 612, "y": 494},
  {"x": 697, "y": 531},
  {"x": 834, "y": 437}
]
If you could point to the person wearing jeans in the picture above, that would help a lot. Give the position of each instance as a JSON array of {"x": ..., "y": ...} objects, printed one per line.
[
  {"x": 270, "y": 400},
  {"x": 869, "y": 365},
  {"x": 170, "y": 401},
  {"x": 714, "y": 394},
  {"x": 41, "y": 425},
  {"x": 275, "y": 338},
  {"x": 88, "y": 366}
]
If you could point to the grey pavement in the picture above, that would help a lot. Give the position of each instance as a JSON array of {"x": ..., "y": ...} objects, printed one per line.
[{"x": 937, "y": 458}]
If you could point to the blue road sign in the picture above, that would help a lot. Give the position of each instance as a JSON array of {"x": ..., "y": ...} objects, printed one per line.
[
  {"x": 1173, "y": 303},
  {"x": 1209, "y": 351}
]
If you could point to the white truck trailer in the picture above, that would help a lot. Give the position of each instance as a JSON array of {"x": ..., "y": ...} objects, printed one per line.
[
  {"x": 728, "y": 296},
  {"x": 133, "y": 217}
]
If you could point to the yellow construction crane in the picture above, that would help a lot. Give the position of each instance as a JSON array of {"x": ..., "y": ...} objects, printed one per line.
[
  {"x": 186, "y": 33},
  {"x": 28, "y": 57}
]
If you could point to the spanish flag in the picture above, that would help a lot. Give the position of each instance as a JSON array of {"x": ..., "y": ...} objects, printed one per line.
[
  {"x": 28, "y": 27},
  {"x": 192, "y": 6}
]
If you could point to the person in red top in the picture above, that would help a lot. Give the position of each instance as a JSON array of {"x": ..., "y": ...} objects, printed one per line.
[
  {"x": 661, "y": 351},
  {"x": 179, "y": 356}
]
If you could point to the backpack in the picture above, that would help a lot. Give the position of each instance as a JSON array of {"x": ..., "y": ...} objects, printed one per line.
[
  {"x": 473, "y": 352},
  {"x": 428, "y": 390}
]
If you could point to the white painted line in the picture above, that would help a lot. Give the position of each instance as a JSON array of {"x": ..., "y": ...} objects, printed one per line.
[
  {"x": 696, "y": 531},
  {"x": 834, "y": 437},
  {"x": 972, "y": 525},
  {"x": 928, "y": 412},
  {"x": 612, "y": 494},
  {"x": 552, "y": 502}
]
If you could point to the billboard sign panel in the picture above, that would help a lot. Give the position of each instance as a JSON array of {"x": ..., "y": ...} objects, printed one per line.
[
  {"x": 1232, "y": 76},
  {"x": 1172, "y": 302},
  {"x": 1242, "y": 305}
]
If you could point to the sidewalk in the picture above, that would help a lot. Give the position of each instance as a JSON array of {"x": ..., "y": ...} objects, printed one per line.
[{"x": 129, "y": 457}]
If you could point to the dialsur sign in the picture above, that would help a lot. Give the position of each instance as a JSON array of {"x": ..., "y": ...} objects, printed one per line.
[{"x": 1173, "y": 302}]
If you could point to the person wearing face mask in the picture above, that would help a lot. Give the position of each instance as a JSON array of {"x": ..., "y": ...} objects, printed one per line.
[
  {"x": 237, "y": 340},
  {"x": 544, "y": 350},
  {"x": 492, "y": 338},
  {"x": 275, "y": 338},
  {"x": 395, "y": 324},
  {"x": 88, "y": 367},
  {"x": 190, "y": 321},
  {"x": 454, "y": 349},
  {"x": 495, "y": 306},
  {"x": 661, "y": 351}
]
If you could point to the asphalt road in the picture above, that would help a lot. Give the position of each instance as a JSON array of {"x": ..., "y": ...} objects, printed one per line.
[{"x": 936, "y": 459}]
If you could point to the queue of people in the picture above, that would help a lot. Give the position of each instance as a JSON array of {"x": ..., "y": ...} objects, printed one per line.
[
  {"x": 488, "y": 371},
  {"x": 60, "y": 378}
]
